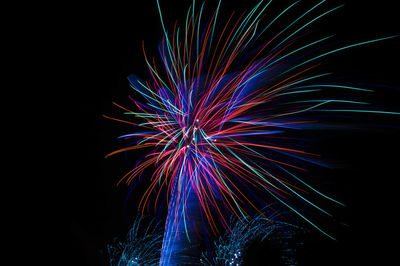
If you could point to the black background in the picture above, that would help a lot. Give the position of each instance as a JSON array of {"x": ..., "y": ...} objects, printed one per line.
[{"x": 97, "y": 45}]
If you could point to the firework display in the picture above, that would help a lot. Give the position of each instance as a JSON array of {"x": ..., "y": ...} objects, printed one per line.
[
  {"x": 230, "y": 248},
  {"x": 142, "y": 246},
  {"x": 220, "y": 123}
]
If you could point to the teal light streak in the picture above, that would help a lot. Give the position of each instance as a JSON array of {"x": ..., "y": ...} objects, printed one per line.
[
  {"x": 283, "y": 12},
  {"x": 310, "y": 187},
  {"x": 340, "y": 49},
  {"x": 291, "y": 24},
  {"x": 310, "y": 22}
]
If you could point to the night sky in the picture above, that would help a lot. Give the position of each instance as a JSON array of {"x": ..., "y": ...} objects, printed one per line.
[{"x": 100, "y": 45}]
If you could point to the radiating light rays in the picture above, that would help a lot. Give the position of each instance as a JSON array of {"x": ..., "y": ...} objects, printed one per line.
[
  {"x": 222, "y": 103},
  {"x": 142, "y": 245},
  {"x": 231, "y": 247}
]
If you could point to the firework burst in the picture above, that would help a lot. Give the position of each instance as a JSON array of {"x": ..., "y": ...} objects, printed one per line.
[
  {"x": 141, "y": 247},
  {"x": 230, "y": 249},
  {"x": 222, "y": 116}
]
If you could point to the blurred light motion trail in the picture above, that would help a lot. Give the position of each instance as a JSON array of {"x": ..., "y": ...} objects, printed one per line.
[{"x": 222, "y": 114}]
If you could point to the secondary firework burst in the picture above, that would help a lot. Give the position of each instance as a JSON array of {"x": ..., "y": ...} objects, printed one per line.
[
  {"x": 222, "y": 114},
  {"x": 230, "y": 248},
  {"x": 141, "y": 247}
]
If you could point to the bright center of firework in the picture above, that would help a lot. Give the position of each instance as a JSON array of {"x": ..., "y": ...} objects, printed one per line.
[{"x": 192, "y": 136}]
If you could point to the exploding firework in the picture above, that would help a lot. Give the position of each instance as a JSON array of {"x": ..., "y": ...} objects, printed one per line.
[
  {"x": 222, "y": 117},
  {"x": 143, "y": 242},
  {"x": 141, "y": 247},
  {"x": 231, "y": 248}
]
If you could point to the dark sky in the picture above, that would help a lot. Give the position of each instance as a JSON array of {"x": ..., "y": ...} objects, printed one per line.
[{"x": 99, "y": 45}]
